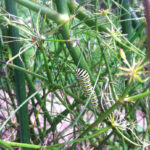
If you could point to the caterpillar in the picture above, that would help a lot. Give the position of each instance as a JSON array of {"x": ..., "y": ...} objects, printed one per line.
[{"x": 85, "y": 83}]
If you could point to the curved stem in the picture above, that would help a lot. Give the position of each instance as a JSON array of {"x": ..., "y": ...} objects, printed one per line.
[{"x": 50, "y": 13}]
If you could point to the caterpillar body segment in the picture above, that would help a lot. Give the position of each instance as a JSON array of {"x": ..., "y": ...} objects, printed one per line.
[{"x": 85, "y": 83}]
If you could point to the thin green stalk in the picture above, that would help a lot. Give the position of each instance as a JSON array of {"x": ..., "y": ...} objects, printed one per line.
[
  {"x": 96, "y": 17},
  {"x": 15, "y": 144},
  {"x": 135, "y": 97},
  {"x": 19, "y": 78},
  {"x": 125, "y": 93},
  {"x": 37, "y": 122},
  {"x": 105, "y": 140},
  {"x": 123, "y": 143},
  {"x": 127, "y": 24},
  {"x": 5, "y": 144},
  {"x": 136, "y": 23},
  {"x": 18, "y": 108},
  {"x": 50, "y": 13},
  {"x": 138, "y": 31},
  {"x": 83, "y": 14},
  {"x": 61, "y": 100},
  {"x": 34, "y": 138},
  {"x": 10, "y": 94},
  {"x": 26, "y": 71},
  {"x": 46, "y": 63},
  {"x": 33, "y": 90},
  {"x": 61, "y": 116},
  {"x": 126, "y": 138},
  {"x": 97, "y": 133},
  {"x": 110, "y": 75}
]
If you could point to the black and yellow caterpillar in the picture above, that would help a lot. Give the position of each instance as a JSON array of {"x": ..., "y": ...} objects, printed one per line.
[{"x": 85, "y": 83}]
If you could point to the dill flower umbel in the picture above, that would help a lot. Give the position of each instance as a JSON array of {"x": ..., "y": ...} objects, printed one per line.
[{"x": 133, "y": 71}]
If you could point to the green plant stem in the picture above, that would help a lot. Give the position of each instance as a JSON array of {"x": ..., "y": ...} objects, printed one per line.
[
  {"x": 138, "y": 31},
  {"x": 105, "y": 140},
  {"x": 5, "y": 144},
  {"x": 50, "y": 13},
  {"x": 15, "y": 144},
  {"x": 46, "y": 62},
  {"x": 126, "y": 25},
  {"x": 110, "y": 75},
  {"x": 19, "y": 78},
  {"x": 11, "y": 94},
  {"x": 33, "y": 90},
  {"x": 26, "y": 71},
  {"x": 61, "y": 116},
  {"x": 18, "y": 108},
  {"x": 135, "y": 97},
  {"x": 135, "y": 22},
  {"x": 83, "y": 14},
  {"x": 96, "y": 17},
  {"x": 125, "y": 93},
  {"x": 80, "y": 139}
]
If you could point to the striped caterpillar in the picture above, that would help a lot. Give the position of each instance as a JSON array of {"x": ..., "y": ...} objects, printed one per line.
[{"x": 85, "y": 83}]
